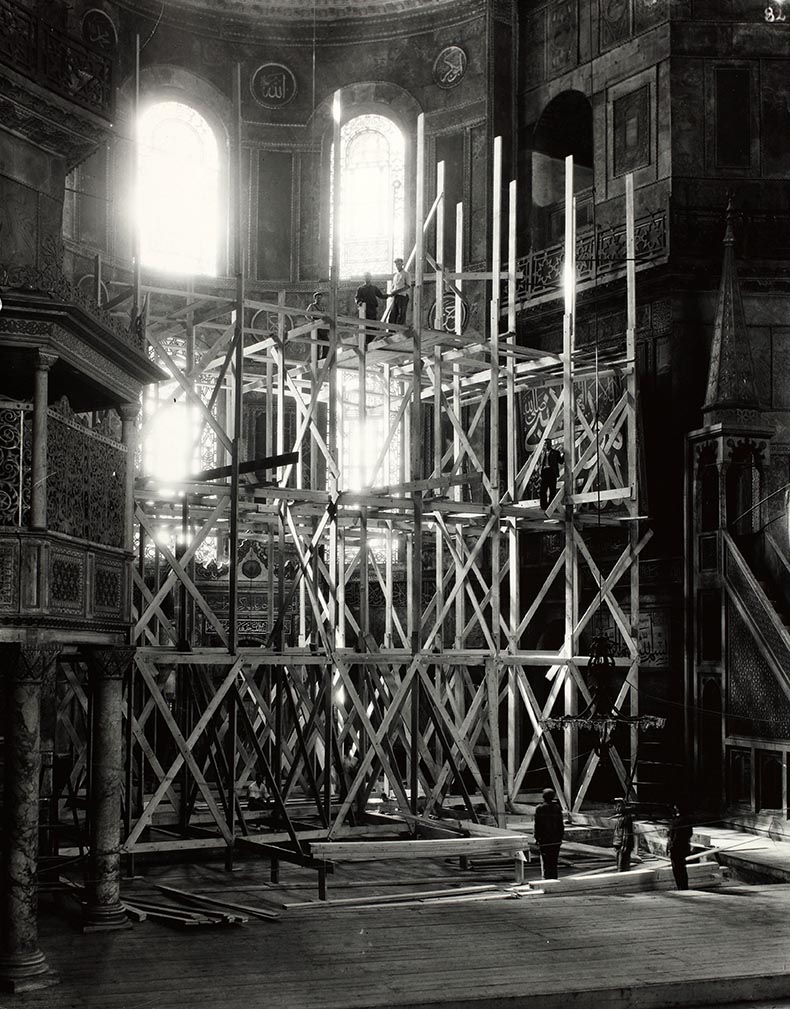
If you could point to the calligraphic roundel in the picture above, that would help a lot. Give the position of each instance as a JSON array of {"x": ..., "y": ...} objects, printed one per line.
[
  {"x": 273, "y": 85},
  {"x": 449, "y": 67}
]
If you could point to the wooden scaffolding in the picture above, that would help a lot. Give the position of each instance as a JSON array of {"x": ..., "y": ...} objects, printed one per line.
[{"x": 400, "y": 603}]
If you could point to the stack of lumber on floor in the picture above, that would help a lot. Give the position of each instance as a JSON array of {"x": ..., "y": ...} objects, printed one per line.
[
  {"x": 201, "y": 910},
  {"x": 454, "y": 847},
  {"x": 701, "y": 875}
]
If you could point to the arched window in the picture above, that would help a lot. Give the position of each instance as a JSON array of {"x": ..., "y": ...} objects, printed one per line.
[
  {"x": 178, "y": 189},
  {"x": 372, "y": 163}
]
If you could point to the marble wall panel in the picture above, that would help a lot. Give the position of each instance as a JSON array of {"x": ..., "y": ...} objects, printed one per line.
[
  {"x": 780, "y": 388},
  {"x": 688, "y": 116},
  {"x": 631, "y": 117},
  {"x": 775, "y": 123},
  {"x": 274, "y": 215}
]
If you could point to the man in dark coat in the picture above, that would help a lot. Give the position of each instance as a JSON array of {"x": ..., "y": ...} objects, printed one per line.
[
  {"x": 623, "y": 836},
  {"x": 369, "y": 295},
  {"x": 679, "y": 845},
  {"x": 549, "y": 832}
]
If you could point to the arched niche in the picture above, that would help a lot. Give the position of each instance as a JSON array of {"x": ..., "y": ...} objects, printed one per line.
[{"x": 565, "y": 127}]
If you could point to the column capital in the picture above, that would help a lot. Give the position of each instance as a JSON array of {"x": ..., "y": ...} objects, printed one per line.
[
  {"x": 44, "y": 360},
  {"x": 28, "y": 663},
  {"x": 128, "y": 412},
  {"x": 111, "y": 663}
]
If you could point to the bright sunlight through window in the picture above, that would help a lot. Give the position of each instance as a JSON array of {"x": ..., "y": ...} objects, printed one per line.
[
  {"x": 371, "y": 197},
  {"x": 178, "y": 198}
]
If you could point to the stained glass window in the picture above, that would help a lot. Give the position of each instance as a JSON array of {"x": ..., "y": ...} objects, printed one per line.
[
  {"x": 372, "y": 164},
  {"x": 178, "y": 189}
]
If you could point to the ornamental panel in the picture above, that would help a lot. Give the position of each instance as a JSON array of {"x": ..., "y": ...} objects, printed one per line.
[
  {"x": 756, "y": 703},
  {"x": 67, "y": 581}
]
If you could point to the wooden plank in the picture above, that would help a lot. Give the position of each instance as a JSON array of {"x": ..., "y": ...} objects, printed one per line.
[
  {"x": 352, "y": 851},
  {"x": 395, "y": 898},
  {"x": 201, "y": 899}
]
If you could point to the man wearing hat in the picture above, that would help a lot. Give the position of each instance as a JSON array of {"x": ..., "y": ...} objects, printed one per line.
[{"x": 549, "y": 832}]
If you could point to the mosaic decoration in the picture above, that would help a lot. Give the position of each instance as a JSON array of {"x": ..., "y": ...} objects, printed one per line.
[
  {"x": 632, "y": 131},
  {"x": 449, "y": 67},
  {"x": 273, "y": 85},
  {"x": 615, "y": 22},
  {"x": 562, "y": 36}
]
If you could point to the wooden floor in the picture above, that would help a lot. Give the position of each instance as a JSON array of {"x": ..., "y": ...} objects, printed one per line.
[{"x": 640, "y": 950}]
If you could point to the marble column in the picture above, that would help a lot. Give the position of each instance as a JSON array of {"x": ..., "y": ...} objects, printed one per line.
[
  {"x": 48, "y": 802},
  {"x": 22, "y": 964},
  {"x": 102, "y": 908},
  {"x": 128, "y": 413},
  {"x": 38, "y": 486}
]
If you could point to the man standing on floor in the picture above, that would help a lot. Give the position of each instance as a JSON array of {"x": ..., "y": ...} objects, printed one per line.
[
  {"x": 623, "y": 837},
  {"x": 399, "y": 293},
  {"x": 367, "y": 297},
  {"x": 679, "y": 845},
  {"x": 549, "y": 832}
]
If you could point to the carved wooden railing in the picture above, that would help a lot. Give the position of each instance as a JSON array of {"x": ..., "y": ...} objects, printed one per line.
[
  {"x": 86, "y": 477},
  {"x": 599, "y": 253},
  {"x": 14, "y": 464},
  {"x": 36, "y": 49}
]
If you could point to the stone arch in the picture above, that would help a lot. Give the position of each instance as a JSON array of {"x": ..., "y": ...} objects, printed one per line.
[
  {"x": 358, "y": 99},
  {"x": 564, "y": 127}
]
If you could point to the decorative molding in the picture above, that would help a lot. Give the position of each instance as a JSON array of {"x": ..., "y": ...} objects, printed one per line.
[{"x": 9, "y": 568}]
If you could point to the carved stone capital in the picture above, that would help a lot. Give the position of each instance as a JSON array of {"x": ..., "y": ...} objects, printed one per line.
[
  {"x": 111, "y": 663},
  {"x": 27, "y": 664},
  {"x": 129, "y": 412},
  {"x": 44, "y": 360}
]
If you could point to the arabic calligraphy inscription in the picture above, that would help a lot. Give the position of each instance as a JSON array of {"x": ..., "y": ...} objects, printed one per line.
[
  {"x": 273, "y": 85},
  {"x": 449, "y": 67}
]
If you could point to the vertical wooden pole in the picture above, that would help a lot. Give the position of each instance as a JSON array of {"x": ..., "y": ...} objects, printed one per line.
[
  {"x": 460, "y": 611},
  {"x": 512, "y": 442},
  {"x": 417, "y": 448},
  {"x": 459, "y": 265},
  {"x": 136, "y": 234},
  {"x": 568, "y": 420},
  {"x": 238, "y": 337},
  {"x": 633, "y": 462},
  {"x": 438, "y": 315},
  {"x": 493, "y": 465},
  {"x": 335, "y": 560}
]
